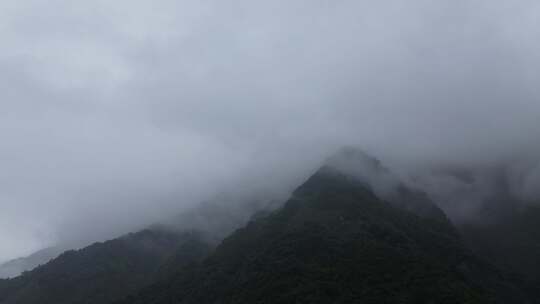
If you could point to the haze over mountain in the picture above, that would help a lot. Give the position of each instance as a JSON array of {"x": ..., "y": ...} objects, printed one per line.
[
  {"x": 15, "y": 267},
  {"x": 124, "y": 112},
  {"x": 184, "y": 151},
  {"x": 353, "y": 231},
  {"x": 103, "y": 272}
]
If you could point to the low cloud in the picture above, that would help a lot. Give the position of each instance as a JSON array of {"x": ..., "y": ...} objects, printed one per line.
[{"x": 116, "y": 114}]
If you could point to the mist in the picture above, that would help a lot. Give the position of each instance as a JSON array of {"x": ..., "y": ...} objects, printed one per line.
[{"x": 118, "y": 114}]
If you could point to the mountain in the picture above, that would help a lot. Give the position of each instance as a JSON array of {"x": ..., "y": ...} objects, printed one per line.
[
  {"x": 351, "y": 233},
  {"x": 336, "y": 241},
  {"x": 503, "y": 225},
  {"x": 511, "y": 242},
  {"x": 103, "y": 272},
  {"x": 384, "y": 183},
  {"x": 15, "y": 267}
]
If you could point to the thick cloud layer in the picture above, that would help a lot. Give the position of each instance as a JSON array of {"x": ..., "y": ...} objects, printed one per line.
[{"x": 115, "y": 113}]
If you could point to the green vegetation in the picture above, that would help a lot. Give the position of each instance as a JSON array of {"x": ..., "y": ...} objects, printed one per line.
[
  {"x": 335, "y": 242},
  {"x": 100, "y": 273}
]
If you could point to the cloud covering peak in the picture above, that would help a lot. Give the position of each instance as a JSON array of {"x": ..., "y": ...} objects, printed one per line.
[{"x": 116, "y": 113}]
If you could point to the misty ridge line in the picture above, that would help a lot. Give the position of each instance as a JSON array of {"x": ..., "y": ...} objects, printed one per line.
[{"x": 215, "y": 219}]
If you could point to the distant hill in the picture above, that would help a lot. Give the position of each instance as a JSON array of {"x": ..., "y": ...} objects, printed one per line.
[
  {"x": 102, "y": 272},
  {"x": 108, "y": 271},
  {"x": 15, "y": 267}
]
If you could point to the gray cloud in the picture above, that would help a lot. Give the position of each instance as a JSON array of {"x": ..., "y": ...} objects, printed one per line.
[{"x": 115, "y": 114}]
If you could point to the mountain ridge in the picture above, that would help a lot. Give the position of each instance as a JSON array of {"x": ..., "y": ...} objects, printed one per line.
[
  {"x": 99, "y": 273},
  {"x": 335, "y": 241},
  {"x": 15, "y": 267},
  {"x": 343, "y": 236}
]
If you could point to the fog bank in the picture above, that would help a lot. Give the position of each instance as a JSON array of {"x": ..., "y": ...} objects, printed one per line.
[{"x": 117, "y": 114}]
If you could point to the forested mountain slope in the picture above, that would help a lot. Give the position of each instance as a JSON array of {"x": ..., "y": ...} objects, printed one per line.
[
  {"x": 15, "y": 267},
  {"x": 102, "y": 272},
  {"x": 335, "y": 241}
]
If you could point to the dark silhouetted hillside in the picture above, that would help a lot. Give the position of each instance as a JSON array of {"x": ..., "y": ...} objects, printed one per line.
[
  {"x": 335, "y": 241},
  {"x": 512, "y": 243},
  {"x": 102, "y": 272},
  {"x": 15, "y": 267},
  {"x": 352, "y": 233}
]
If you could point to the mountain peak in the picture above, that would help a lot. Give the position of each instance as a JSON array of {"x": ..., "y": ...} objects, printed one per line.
[
  {"x": 355, "y": 154},
  {"x": 336, "y": 241},
  {"x": 360, "y": 167},
  {"x": 350, "y": 157},
  {"x": 363, "y": 167}
]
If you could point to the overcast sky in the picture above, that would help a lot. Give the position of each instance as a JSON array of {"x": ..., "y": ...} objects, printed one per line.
[{"x": 114, "y": 113}]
